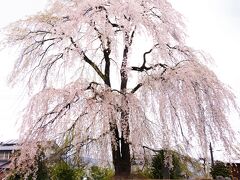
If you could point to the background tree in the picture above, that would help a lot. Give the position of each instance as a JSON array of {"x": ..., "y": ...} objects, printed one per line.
[{"x": 114, "y": 76}]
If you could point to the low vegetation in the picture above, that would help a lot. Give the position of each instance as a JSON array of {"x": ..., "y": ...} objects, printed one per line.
[
  {"x": 220, "y": 169},
  {"x": 165, "y": 164}
]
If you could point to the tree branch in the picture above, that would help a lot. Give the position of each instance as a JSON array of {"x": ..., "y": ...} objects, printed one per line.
[
  {"x": 90, "y": 62},
  {"x": 123, "y": 70},
  {"x": 144, "y": 67},
  {"x": 49, "y": 66},
  {"x": 185, "y": 52},
  {"x": 136, "y": 88},
  {"x": 154, "y": 150},
  {"x": 106, "y": 54}
]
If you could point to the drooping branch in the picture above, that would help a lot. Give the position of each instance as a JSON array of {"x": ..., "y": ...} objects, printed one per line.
[
  {"x": 100, "y": 9},
  {"x": 58, "y": 113},
  {"x": 75, "y": 122},
  {"x": 85, "y": 142},
  {"x": 89, "y": 140},
  {"x": 144, "y": 67},
  {"x": 106, "y": 54},
  {"x": 114, "y": 25},
  {"x": 40, "y": 50},
  {"x": 179, "y": 120},
  {"x": 154, "y": 150},
  {"x": 89, "y": 61},
  {"x": 136, "y": 88},
  {"x": 179, "y": 49},
  {"x": 49, "y": 66}
]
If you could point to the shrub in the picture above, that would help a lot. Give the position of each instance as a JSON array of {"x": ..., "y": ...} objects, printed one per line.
[
  {"x": 63, "y": 171},
  {"x": 220, "y": 169},
  {"x": 98, "y": 173},
  {"x": 158, "y": 165},
  {"x": 145, "y": 173}
]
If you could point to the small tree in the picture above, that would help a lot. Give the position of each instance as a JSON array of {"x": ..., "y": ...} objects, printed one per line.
[
  {"x": 220, "y": 169},
  {"x": 90, "y": 80}
]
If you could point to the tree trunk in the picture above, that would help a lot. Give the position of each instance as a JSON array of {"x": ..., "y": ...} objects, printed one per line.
[
  {"x": 121, "y": 160},
  {"x": 121, "y": 154},
  {"x": 123, "y": 165},
  {"x": 121, "y": 147}
]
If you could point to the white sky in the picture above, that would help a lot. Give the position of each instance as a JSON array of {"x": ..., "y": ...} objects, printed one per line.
[
  {"x": 11, "y": 99},
  {"x": 212, "y": 25}
]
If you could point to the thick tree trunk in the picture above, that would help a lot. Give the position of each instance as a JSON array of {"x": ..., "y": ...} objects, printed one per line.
[
  {"x": 125, "y": 159},
  {"x": 121, "y": 148},
  {"x": 121, "y": 160},
  {"x": 121, "y": 153},
  {"x": 123, "y": 164}
]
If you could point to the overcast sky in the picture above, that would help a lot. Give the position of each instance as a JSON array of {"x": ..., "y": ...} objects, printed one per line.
[
  {"x": 11, "y": 99},
  {"x": 212, "y": 25}
]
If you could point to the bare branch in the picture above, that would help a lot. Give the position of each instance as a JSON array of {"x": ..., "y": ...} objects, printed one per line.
[
  {"x": 90, "y": 62},
  {"x": 144, "y": 67},
  {"x": 136, "y": 88}
]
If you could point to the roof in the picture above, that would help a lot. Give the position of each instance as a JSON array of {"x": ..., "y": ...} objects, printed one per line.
[
  {"x": 4, "y": 165},
  {"x": 9, "y": 148},
  {"x": 9, "y": 145}
]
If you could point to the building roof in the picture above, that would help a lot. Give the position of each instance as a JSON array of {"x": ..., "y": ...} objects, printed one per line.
[
  {"x": 9, "y": 146},
  {"x": 4, "y": 165}
]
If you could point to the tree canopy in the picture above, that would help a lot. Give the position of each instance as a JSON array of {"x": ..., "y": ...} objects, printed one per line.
[{"x": 114, "y": 76}]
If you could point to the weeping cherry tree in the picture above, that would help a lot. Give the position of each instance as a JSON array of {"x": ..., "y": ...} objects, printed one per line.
[{"x": 108, "y": 78}]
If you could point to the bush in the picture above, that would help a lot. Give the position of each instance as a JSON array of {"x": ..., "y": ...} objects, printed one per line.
[
  {"x": 98, "y": 173},
  {"x": 145, "y": 173},
  {"x": 158, "y": 166},
  {"x": 63, "y": 171},
  {"x": 220, "y": 169}
]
